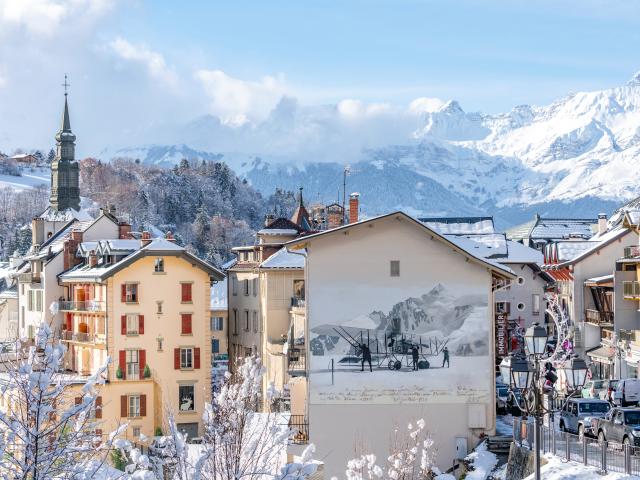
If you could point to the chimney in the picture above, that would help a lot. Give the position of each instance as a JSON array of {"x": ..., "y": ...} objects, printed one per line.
[
  {"x": 93, "y": 258},
  {"x": 146, "y": 239},
  {"x": 124, "y": 229},
  {"x": 69, "y": 248},
  {"x": 37, "y": 231},
  {"x": 354, "y": 207},
  {"x": 76, "y": 236},
  {"x": 268, "y": 218},
  {"x": 602, "y": 223},
  {"x": 112, "y": 209},
  {"x": 169, "y": 236}
]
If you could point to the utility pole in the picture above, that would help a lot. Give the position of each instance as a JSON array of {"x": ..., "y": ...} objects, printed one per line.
[{"x": 346, "y": 172}]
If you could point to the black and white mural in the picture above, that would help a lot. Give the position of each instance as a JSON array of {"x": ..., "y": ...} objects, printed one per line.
[{"x": 428, "y": 348}]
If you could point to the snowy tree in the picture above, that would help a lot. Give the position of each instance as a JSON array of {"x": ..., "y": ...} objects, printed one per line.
[
  {"x": 51, "y": 156},
  {"x": 49, "y": 425},
  {"x": 411, "y": 457}
]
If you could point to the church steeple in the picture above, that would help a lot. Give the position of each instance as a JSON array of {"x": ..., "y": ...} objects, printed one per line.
[{"x": 65, "y": 188}]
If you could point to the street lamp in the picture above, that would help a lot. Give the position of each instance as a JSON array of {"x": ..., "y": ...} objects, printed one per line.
[{"x": 526, "y": 377}]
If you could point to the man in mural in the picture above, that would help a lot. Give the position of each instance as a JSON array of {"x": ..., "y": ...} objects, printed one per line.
[
  {"x": 415, "y": 355},
  {"x": 445, "y": 351},
  {"x": 366, "y": 356}
]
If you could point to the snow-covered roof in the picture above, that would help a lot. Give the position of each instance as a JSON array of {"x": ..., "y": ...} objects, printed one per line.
[
  {"x": 162, "y": 244},
  {"x": 553, "y": 229},
  {"x": 602, "y": 279},
  {"x": 53, "y": 215},
  {"x": 460, "y": 225},
  {"x": 229, "y": 264},
  {"x": 11, "y": 292},
  {"x": 570, "y": 252},
  {"x": 476, "y": 250},
  {"x": 219, "y": 299},
  {"x": 284, "y": 259},
  {"x": 489, "y": 245},
  {"x": 277, "y": 231},
  {"x": 519, "y": 253}
]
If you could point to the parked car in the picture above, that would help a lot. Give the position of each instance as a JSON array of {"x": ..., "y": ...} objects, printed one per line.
[
  {"x": 607, "y": 391},
  {"x": 593, "y": 388},
  {"x": 620, "y": 425},
  {"x": 578, "y": 413},
  {"x": 627, "y": 392},
  {"x": 502, "y": 395}
]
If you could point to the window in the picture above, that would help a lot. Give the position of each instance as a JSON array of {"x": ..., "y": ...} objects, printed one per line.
[
  {"x": 187, "y": 328},
  {"x": 34, "y": 301},
  {"x": 255, "y": 321},
  {"x": 134, "y": 406},
  {"x": 159, "y": 265},
  {"x": 136, "y": 432},
  {"x": 186, "y": 358},
  {"x": 520, "y": 281},
  {"x": 133, "y": 364},
  {"x": 395, "y": 268},
  {"x": 255, "y": 287},
  {"x": 30, "y": 301},
  {"x": 298, "y": 289},
  {"x": 235, "y": 321},
  {"x": 521, "y": 306},
  {"x": 246, "y": 286},
  {"x": 130, "y": 293},
  {"x": 132, "y": 324},
  {"x": 535, "y": 302},
  {"x": 503, "y": 307},
  {"x": 234, "y": 285},
  {"x": 217, "y": 324},
  {"x": 159, "y": 305},
  {"x": 186, "y": 292},
  {"x": 38, "y": 300},
  {"x": 215, "y": 345},
  {"x": 187, "y": 398},
  {"x": 246, "y": 320}
]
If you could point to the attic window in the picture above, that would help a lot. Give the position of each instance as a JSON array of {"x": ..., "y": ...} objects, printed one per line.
[
  {"x": 159, "y": 265},
  {"x": 395, "y": 268}
]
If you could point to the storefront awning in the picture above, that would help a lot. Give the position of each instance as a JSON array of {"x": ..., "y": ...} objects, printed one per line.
[{"x": 602, "y": 353}]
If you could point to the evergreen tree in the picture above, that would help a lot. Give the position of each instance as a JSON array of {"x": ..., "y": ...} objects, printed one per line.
[{"x": 51, "y": 155}]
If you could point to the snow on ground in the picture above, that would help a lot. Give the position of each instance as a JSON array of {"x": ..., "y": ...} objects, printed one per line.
[
  {"x": 557, "y": 469},
  {"x": 27, "y": 180},
  {"x": 483, "y": 462}
]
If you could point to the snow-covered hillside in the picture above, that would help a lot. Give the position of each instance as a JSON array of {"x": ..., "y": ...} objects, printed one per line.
[
  {"x": 29, "y": 178},
  {"x": 578, "y": 155}
]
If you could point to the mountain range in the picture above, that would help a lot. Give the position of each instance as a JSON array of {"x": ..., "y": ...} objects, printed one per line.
[{"x": 576, "y": 157}]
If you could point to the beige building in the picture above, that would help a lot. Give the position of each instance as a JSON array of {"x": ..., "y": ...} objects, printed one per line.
[
  {"x": 380, "y": 290},
  {"x": 146, "y": 305}
]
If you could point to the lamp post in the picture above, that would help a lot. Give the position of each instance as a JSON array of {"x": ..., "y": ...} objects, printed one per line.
[{"x": 524, "y": 375}]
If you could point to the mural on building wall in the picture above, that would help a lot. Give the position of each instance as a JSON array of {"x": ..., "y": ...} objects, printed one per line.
[{"x": 431, "y": 348}]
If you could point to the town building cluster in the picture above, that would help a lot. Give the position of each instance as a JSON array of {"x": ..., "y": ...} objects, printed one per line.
[{"x": 362, "y": 323}]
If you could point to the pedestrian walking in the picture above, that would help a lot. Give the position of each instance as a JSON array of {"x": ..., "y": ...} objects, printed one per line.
[
  {"x": 366, "y": 357},
  {"x": 445, "y": 351}
]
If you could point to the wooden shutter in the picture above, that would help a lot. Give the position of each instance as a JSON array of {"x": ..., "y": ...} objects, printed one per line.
[
  {"x": 123, "y": 293},
  {"x": 140, "y": 324},
  {"x": 196, "y": 357},
  {"x": 176, "y": 358},
  {"x": 186, "y": 292},
  {"x": 142, "y": 360},
  {"x": 123, "y": 363},
  {"x": 124, "y": 404},
  {"x": 123, "y": 324},
  {"x": 69, "y": 322},
  {"x": 99, "y": 407},
  {"x": 143, "y": 405},
  {"x": 186, "y": 324},
  {"x": 78, "y": 400}
]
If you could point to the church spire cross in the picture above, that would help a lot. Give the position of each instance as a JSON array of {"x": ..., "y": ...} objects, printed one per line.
[{"x": 66, "y": 85}]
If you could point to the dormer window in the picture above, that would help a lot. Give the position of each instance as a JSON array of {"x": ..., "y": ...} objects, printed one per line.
[{"x": 159, "y": 265}]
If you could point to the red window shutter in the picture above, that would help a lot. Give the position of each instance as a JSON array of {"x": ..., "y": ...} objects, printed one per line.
[
  {"x": 99, "y": 407},
  {"x": 186, "y": 292},
  {"x": 123, "y": 324},
  {"x": 143, "y": 405},
  {"x": 123, "y": 363},
  {"x": 123, "y": 293},
  {"x": 196, "y": 357},
  {"x": 186, "y": 324},
  {"x": 142, "y": 356},
  {"x": 176, "y": 358},
  {"x": 78, "y": 400},
  {"x": 69, "y": 322},
  {"x": 98, "y": 432},
  {"x": 140, "y": 324},
  {"x": 124, "y": 404}
]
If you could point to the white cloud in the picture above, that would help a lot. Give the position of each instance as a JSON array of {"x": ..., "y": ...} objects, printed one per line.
[
  {"x": 351, "y": 108},
  {"x": 237, "y": 101},
  {"x": 45, "y": 17},
  {"x": 153, "y": 62}
]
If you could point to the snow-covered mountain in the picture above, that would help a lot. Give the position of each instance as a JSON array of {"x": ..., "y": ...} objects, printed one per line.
[{"x": 576, "y": 156}]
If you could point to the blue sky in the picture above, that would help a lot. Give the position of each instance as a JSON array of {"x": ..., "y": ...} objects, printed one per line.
[{"x": 138, "y": 65}]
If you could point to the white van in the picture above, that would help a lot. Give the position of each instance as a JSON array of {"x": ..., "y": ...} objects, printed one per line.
[{"x": 627, "y": 392}]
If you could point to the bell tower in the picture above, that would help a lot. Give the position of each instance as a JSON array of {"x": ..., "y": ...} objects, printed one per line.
[{"x": 65, "y": 185}]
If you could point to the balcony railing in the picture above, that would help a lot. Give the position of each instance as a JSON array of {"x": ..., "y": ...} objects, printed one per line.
[
  {"x": 632, "y": 251},
  {"x": 29, "y": 277},
  {"x": 298, "y": 302},
  {"x": 631, "y": 289},
  {"x": 300, "y": 426},
  {"x": 597, "y": 317},
  {"x": 85, "y": 306},
  {"x": 296, "y": 359},
  {"x": 80, "y": 337}
]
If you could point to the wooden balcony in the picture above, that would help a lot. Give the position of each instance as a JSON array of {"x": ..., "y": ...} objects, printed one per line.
[
  {"x": 80, "y": 337},
  {"x": 30, "y": 277},
  {"x": 596, "y": 317}
]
